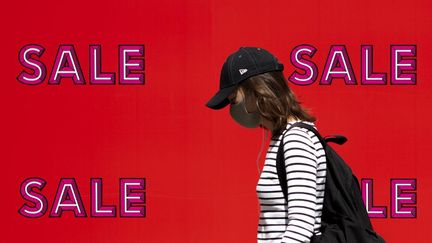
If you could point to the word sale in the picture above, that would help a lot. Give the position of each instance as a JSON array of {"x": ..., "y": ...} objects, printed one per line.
[
  {"x": 67, "y": 65},
  {"x": 402, "y": 71},
  {"x": 68, "y": 198}
]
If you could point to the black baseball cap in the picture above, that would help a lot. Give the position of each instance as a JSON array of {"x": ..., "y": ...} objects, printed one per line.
[{"x": 239, "y": 66}]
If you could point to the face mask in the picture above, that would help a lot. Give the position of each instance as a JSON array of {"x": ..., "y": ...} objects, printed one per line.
[{"x": 243, "y": 117}]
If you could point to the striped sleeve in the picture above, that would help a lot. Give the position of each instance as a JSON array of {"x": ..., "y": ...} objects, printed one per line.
[{"x": 301, "y": 169}]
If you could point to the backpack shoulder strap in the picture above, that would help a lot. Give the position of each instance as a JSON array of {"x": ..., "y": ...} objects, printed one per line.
[
  {"x": 280, "y": 166},
  {"x": 280, "y": 163}
]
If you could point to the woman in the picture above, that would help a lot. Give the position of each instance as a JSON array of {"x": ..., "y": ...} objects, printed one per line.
[{"x": 253, "y": 84}]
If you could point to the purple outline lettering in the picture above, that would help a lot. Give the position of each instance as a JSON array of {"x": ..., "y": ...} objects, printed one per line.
[
  {"x": 338, "y": 65},
  {"x": 66, "y": 66},
  {"x": 67, "y": 198},
  {"x": 400, "y": 64},
  {"x": 26, "y": 60},
  {"x": 129, "y": 197},
  {"x": 367, "y": 74},
  {"x": 131, "y": 64},
  {"x": 400, "y": 198},
  {"x": 97, "y": 207},
  {"x": 96, "y": 75},
  {"x": 40, "y": 202},
  {"x": 310, "y": 69},
  {"x": 367, "y": 194}
]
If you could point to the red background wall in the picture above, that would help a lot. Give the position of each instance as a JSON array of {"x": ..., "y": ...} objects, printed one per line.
[{"x": 198, "y": 163}]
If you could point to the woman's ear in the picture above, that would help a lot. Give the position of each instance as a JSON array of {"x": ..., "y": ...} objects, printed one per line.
[
  {"x": 240, "y": 94},
  {"x": 251, "y": 104}
]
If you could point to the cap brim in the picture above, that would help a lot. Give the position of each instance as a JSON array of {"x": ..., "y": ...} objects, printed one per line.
[{"x": 220, "y": 99}]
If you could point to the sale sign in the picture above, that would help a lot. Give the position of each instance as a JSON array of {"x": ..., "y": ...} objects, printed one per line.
[{"x": 109, "y": 134}]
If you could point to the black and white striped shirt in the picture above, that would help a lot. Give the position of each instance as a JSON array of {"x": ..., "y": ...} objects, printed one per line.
[{"x": 305, "y": 163}]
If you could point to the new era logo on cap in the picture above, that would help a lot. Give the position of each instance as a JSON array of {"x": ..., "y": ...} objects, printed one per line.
[{"x": 242, "y": 71}]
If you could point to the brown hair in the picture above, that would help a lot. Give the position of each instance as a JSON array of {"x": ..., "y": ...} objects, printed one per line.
[{"x": 274, "y": 99}]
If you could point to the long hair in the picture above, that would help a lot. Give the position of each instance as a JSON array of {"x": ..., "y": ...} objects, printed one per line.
[{"x": 274, "y": 99}]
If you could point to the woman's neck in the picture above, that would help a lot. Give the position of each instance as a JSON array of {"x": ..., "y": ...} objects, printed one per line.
[{"x": 269, "y": 125}]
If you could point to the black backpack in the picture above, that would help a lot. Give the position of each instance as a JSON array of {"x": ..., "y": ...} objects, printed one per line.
[{"x": 344, "y": 218}]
